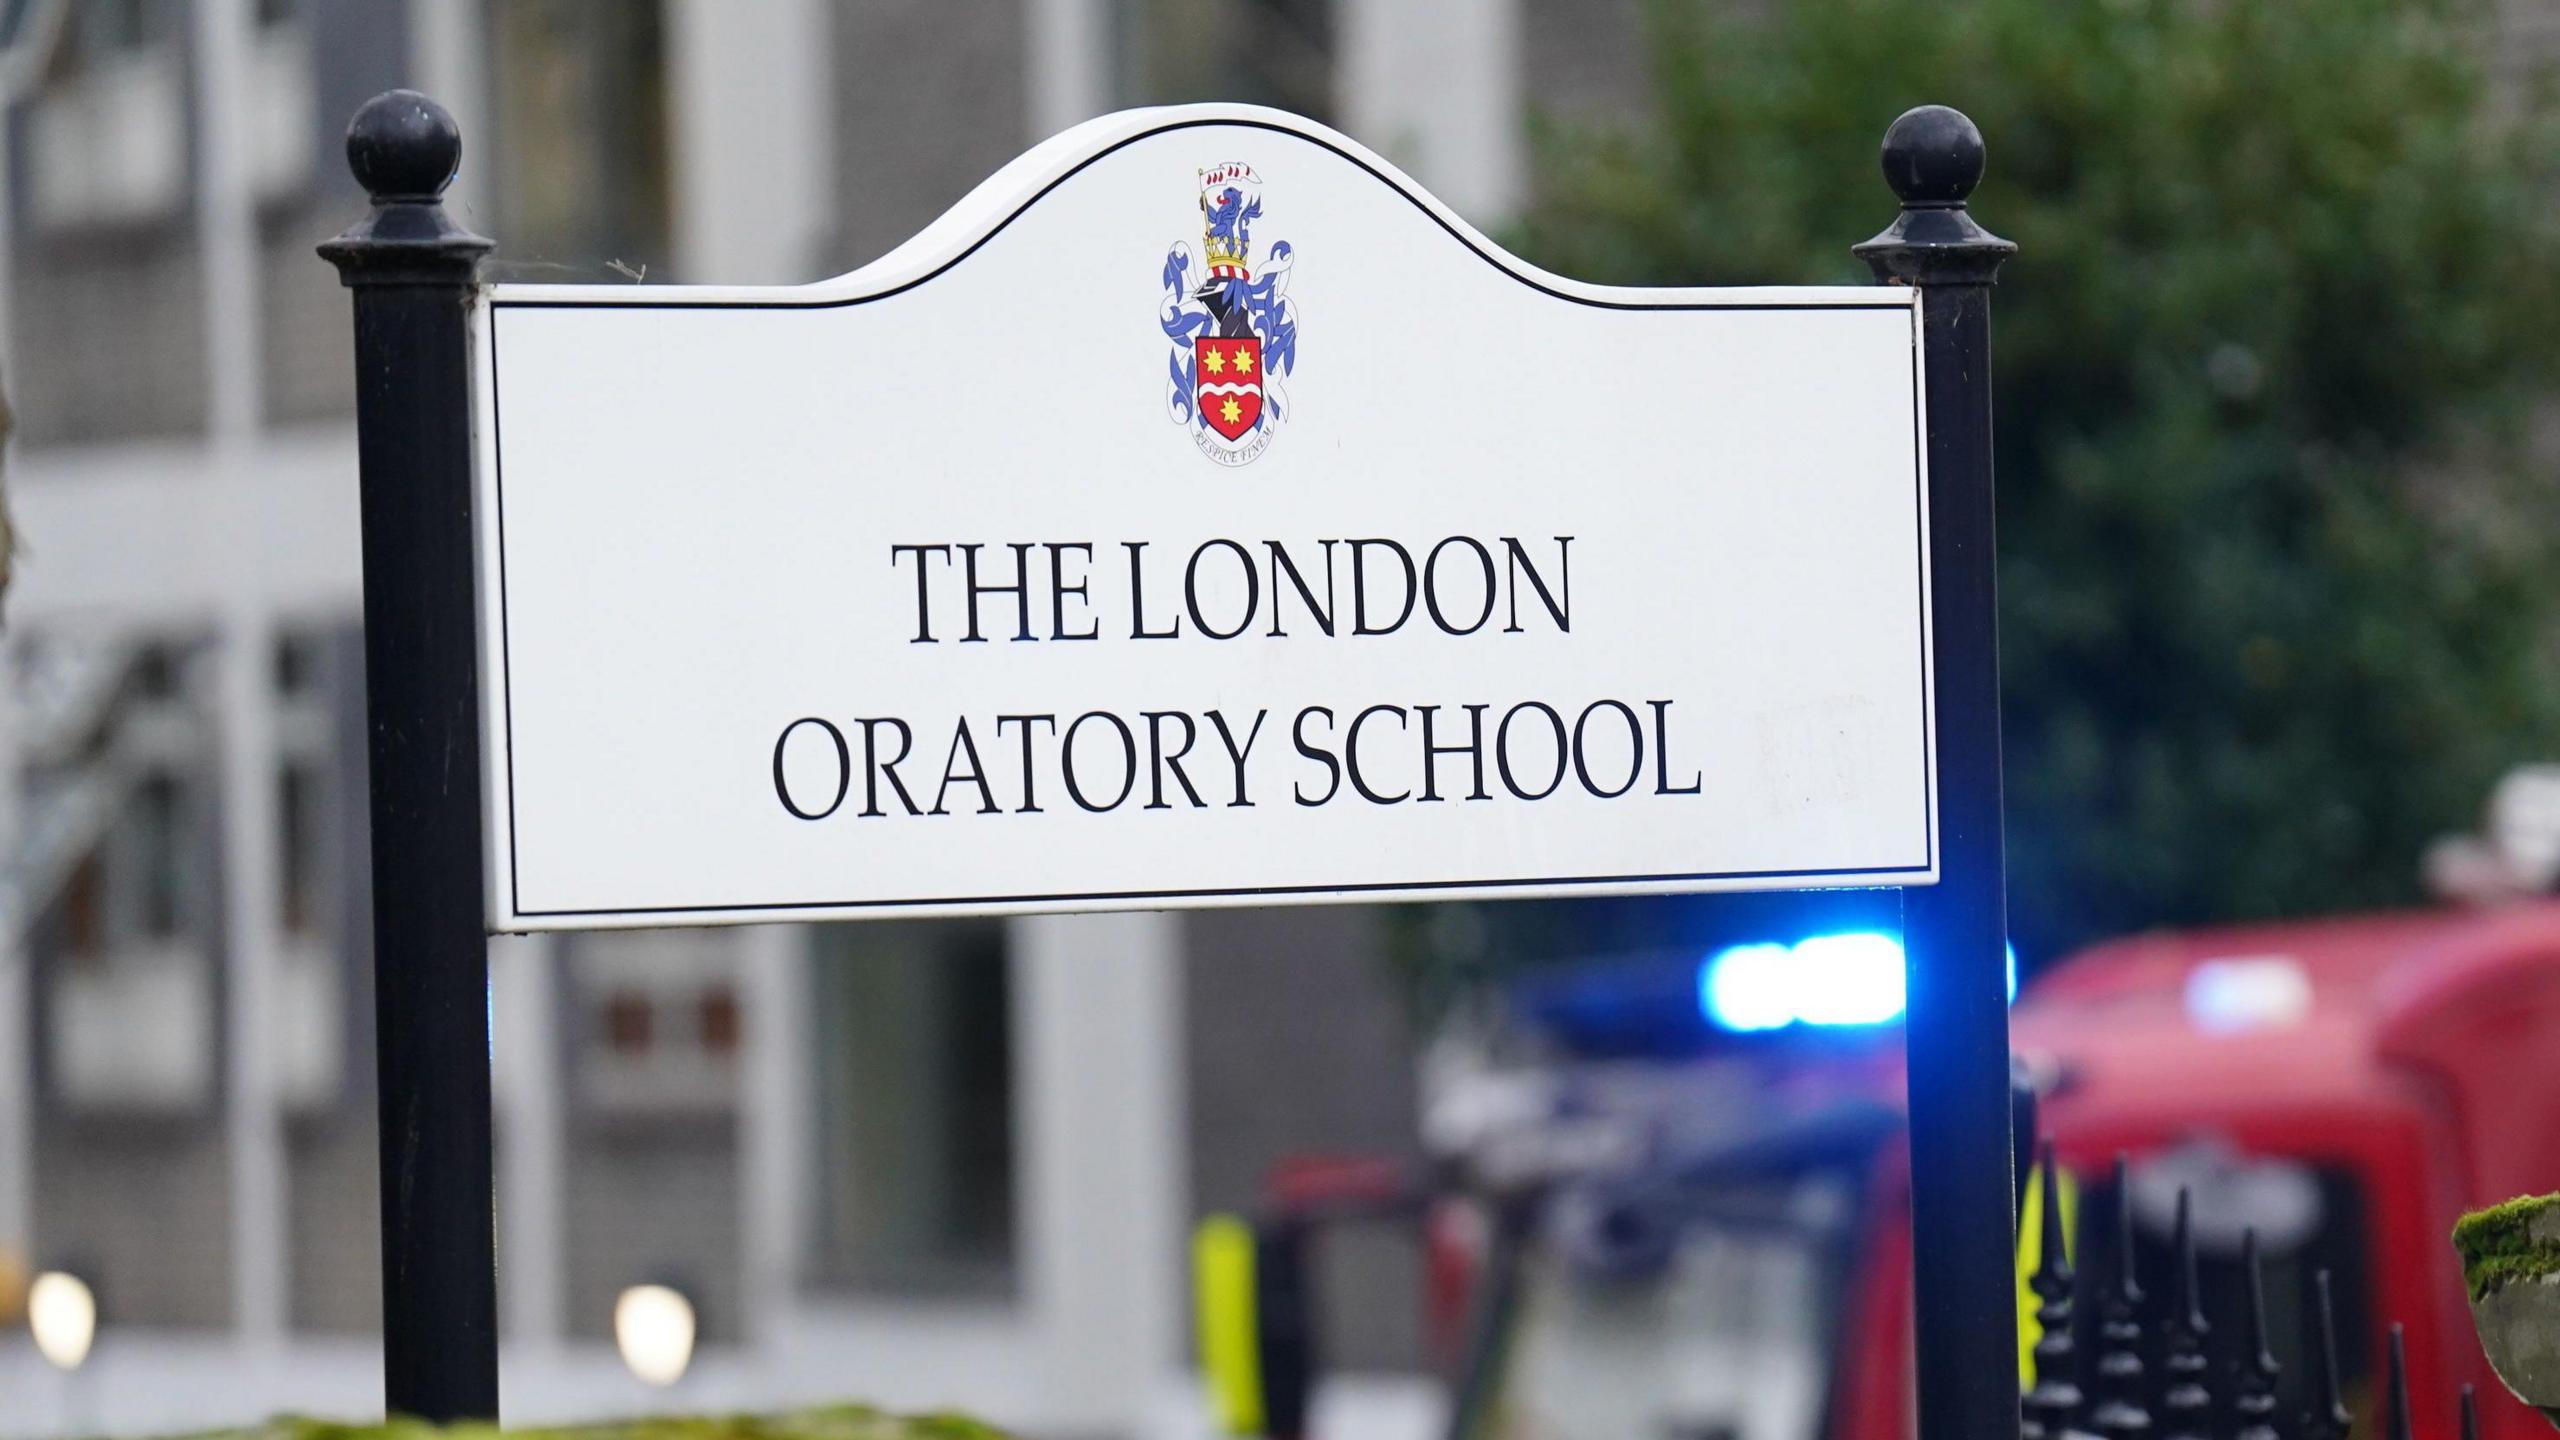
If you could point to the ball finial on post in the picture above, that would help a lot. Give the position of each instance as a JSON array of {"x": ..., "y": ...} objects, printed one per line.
[
  {"x": 403, "y": 146},
  {"x": 1933, "y": 156},
  {"x": 404, "y": 149}
]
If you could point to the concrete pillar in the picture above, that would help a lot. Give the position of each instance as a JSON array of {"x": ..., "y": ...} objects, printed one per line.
[
  {"x": 226, "y": 217},
  {"x": 226, "y": 238},
  {"x": 532, "y": 1239},
  {"x": 1097, "y": 1006},
  {"x": 753, "y": 150},
  {"x": 1070, "y": 63},
  {"x": 774, "y": 1125},
  {"x": 253, "y": 1118},
  {"x": 448, "y": 46},
  {"x": 1434, "y": 85}
]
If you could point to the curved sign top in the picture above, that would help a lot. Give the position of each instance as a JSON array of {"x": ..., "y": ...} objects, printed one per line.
[{"x": 1198, "y": 513}]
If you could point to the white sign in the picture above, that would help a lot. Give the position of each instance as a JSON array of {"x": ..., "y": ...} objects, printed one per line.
[{"x": 1198, "y": 514}]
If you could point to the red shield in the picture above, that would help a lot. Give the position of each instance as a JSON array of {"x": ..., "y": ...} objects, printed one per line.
[{"x": 1227, "y": 379}]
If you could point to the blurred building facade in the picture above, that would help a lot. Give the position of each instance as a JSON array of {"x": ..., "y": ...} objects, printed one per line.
[{"x": 924, "y": 1164}]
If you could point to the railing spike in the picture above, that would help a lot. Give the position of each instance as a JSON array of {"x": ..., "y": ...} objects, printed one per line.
[
  {"x": 2395, "y": 1415},
  {"x": 2255, "y": 1401},
  {"x": 2329, "y": 1417},
  {"x": 2120, "y": 1414},
  {"x": 2051, "y": 1409},
  {"x": 2470, "y": 1428},
  {"x": 2186, "y": 1400}
]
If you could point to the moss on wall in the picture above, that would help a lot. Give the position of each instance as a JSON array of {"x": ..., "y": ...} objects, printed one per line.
[{"x": 2518, "y": 1239}]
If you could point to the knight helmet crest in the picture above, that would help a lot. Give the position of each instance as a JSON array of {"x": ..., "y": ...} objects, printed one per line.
[{"x": 1233, "y": 327}]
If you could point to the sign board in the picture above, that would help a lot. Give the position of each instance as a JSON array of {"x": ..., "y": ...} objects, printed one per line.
[{"x": 1199, "y": 513}]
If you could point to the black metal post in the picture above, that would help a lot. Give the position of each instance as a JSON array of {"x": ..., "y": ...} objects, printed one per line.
[
  {"x": 1963, "y": 1206},
  {"x": 411, "y": 268}
]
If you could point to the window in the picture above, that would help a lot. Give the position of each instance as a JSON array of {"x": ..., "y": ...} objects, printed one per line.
[
  {"x": 655, "y": 1030},
  {"x": 581, "y": 122},
  {"x": 84, "y": 911},
  {"x": 915, "y": 1171},
  {"x": 318, "y": 698},
  {"x": 1262, "y": 52},
  {"x": 154, "y": 839},
  {"x": 298, "y": 804},
  {"x": 159, "y": 890},
  {"x": 111, "y": 27},
  {"x": 121, "y": 832},
  {"x": 280, "y": 98},
  {"x": 310, "y": 865},
  {"x": 14, "y": 30},
  {"x": 107, "y": 133}
]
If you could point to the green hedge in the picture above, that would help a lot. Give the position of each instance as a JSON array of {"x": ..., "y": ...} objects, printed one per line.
[{"x": 842, "y": 1422}]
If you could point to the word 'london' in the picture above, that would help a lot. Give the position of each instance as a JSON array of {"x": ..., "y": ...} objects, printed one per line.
[{"x": 1383, "y": 753}]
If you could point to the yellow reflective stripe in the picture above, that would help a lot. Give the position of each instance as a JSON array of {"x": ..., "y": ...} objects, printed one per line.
[
  {"x": 1223, "y": 1301},
  {"x": 2031, "y": 1254}
]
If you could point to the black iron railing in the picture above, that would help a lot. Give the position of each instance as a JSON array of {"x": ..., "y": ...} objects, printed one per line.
[{"x": 2210, "y": 1380}]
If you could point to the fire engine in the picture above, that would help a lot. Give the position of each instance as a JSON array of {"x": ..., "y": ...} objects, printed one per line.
[{"x": 1631, "y": 1234}]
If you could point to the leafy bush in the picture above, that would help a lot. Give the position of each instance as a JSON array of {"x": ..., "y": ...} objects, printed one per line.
[
  {"x": 2278, "y": 590},
  {"x": 844, "y": 1422}
]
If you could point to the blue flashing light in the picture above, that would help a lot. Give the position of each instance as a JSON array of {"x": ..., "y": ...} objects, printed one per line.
[
  {"x": 1853, "y": 979},
  {"x": 1828, "y": 981},
  {"x": 1749, "y": 987}
]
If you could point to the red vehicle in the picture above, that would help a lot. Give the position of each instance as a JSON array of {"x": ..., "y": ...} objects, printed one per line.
[
  {"x": 2411, "y": 1063},
  {"x": 1719, "y": 1246}
]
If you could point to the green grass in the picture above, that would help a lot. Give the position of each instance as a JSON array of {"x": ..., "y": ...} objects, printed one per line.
[{"x": 2497, "y": 1249}]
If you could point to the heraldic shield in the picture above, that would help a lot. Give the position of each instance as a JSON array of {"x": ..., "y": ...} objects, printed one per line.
[{"x": 1230, "y": 384}]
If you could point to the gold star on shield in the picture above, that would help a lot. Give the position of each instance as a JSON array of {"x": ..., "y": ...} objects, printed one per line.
[
  {"x": 1212, "y": 361},
  {"x": 1244, "y": 362},
  {"x": 1231, "y": 412}
]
